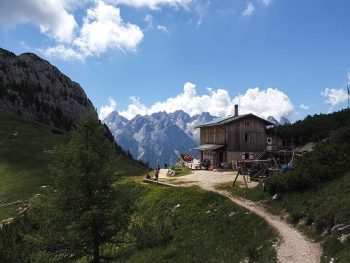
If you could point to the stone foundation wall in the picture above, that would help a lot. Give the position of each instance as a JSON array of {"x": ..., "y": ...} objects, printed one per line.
[{"x": 238, "y": 155}]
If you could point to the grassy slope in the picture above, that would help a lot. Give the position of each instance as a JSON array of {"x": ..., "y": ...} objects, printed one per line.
[
  {"x": 199, "y": 235},
  {"x": 325, "y": 205},
  {"x": 24, "y": 160}
]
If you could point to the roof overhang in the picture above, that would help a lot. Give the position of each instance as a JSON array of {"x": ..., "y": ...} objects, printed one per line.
[
  {"x": 230, "y": 119},
  {"x": 208, "y": 147}
]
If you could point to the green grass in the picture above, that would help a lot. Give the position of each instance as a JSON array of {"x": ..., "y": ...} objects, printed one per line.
[
  {"x": 206, "y": 227},
  {"x": 320, "y": 208},
  {"x": 24, "y": 157},
  {"x": 181, "y": 170},
  {"x": 24, "y": 160}
]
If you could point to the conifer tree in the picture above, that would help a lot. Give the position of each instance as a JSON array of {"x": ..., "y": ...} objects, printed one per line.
[{"x": 85, "y": 196}]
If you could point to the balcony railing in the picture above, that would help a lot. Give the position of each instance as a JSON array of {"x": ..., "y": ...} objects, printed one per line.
[{"x": 272, "y": 148}]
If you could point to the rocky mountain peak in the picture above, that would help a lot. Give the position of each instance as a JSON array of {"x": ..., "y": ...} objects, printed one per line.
[
  {"x": 157, "y": 137},
  {"x": 33, "y": 88}
]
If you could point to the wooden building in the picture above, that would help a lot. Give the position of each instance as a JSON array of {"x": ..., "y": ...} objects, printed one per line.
[{"x": 235, "y": 137}]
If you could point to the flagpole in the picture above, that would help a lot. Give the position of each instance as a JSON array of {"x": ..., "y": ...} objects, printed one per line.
[{"x": 347, "y": 86}]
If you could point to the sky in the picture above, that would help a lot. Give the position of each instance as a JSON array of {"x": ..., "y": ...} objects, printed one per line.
[{"x": 272, "y": 57}]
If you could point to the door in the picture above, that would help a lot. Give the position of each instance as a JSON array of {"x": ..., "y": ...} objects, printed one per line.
[{"x": 221, "y": 157}]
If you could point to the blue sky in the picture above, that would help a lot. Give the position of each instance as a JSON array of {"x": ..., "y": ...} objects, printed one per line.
[{"x": 141, "y": 56}]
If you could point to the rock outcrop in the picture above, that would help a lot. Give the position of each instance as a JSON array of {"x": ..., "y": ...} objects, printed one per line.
[{"x": 33, "y": 88}]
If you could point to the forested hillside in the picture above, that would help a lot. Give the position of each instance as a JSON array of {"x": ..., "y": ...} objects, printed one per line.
[{"x": 314, "y": 128}]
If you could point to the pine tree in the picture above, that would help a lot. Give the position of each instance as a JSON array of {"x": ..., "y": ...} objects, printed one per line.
[{"x": 86, "y": 197}]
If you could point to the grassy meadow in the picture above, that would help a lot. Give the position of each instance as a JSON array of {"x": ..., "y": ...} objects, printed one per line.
[{"x": 192, "y": 225}]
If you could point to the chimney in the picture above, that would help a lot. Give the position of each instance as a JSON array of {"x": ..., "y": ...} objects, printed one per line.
[{"x": 236, "y": 110}]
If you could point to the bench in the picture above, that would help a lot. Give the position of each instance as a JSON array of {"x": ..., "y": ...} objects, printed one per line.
[{"x": 160, "y": 183}]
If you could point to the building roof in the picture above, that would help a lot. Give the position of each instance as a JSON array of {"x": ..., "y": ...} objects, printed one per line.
[
  {"x": 229, "y": 119},
  {"x": 209, "y": 147}
]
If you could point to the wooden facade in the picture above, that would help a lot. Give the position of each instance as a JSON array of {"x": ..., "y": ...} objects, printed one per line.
[{"x": 242, "y": 137}]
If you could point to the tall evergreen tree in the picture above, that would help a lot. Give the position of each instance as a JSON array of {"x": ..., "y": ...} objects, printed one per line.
[{"x": 85, "y": 197}]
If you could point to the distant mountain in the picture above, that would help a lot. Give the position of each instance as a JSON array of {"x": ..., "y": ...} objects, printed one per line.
[
  {"x": 115, "y": 122},
  {"x": 33, "y": 88},
  {"x": 283, "y": 120},
  {"x": 273, "y": 120},
  {"x": 157, "y": 137},
  {"x": 188, "y": 123}
]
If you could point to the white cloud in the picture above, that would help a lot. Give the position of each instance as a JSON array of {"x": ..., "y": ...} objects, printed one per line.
[
  {"x": 63, "y": 52},
  {"x": 266, "y": 2},
  {"x": 154, "y": 4},
  {"x": 304, "y": 107},
  {"x": 334, "y": 96},
  {"x": 200, "y": 8},
  {"x": 149, "y": 21},
  {"x": 103, "y": 29},
  {"x": 269, "y": 102},
  {"x": 248, "y": 11},
  {"x": 163, "y": 29},
  {"x": 51, "y": 16},
  {"x": 107, "y": 109},
  {"x": 218, "y": 102}
]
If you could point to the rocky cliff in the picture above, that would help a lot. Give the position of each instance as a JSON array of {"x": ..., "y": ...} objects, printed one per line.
[{"x": 33, "y": 88}]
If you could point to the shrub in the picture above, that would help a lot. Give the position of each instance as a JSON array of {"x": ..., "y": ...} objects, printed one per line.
[{"x": 329, "y": 160}]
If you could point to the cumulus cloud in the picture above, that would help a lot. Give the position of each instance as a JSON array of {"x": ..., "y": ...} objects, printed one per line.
[
  {"x": 217, "y": 102},
  {"x": 154, "y": 4},
  {"x": 107, "y": 109},
  {"x": 103, "y": 29},
  {"x": 63, "y": 52},
  {"x": 248, "y": 11},
  {"x": 304, "y": 107},
  {"x": 51, "y": 16},
  {"x": 334, "y": 96}
]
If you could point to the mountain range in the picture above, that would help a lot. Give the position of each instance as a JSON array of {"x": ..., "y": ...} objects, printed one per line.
[
  {"x": 157, "y": 138},
  {"x": 283, "y": 120}
]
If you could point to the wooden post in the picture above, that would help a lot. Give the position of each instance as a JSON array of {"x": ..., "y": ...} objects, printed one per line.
[{"x": 240, "y": 172}]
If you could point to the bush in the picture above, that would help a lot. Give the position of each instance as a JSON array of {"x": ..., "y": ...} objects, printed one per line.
[{"x": 329, "y": 160}]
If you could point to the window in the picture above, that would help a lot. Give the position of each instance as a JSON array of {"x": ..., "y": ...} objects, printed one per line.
[
  {"x": 246, "y": 137},
  {"x": 246, "y": 123}
]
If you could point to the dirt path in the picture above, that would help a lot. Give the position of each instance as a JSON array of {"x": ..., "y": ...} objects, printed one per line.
[{"x": 293, "y": 248}]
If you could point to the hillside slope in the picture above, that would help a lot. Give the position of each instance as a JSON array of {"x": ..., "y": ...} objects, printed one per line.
[{"x": 25, "y": 152}]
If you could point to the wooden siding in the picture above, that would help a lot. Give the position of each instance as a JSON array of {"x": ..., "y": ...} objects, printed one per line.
[
  {"x": 212, "y": 135},
  {"x": 235, "y": 135}
]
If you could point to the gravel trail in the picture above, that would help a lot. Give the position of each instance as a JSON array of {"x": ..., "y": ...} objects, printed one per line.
[{"x": 293, "y": 246}]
